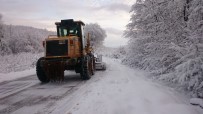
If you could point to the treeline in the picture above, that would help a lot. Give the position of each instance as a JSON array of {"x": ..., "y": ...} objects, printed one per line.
[
  {"x": 166, "y": 38},
  {"x": 17, "y": 39}
]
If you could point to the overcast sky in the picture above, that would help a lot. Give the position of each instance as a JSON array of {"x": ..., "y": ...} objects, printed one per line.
[{"x": 112, "y": 15}]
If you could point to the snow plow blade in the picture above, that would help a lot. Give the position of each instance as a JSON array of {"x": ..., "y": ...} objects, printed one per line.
[{"x": 99, "y": 65}]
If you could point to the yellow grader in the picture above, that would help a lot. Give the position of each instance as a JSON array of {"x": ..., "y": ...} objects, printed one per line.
[{"x": 69, "y": 50}]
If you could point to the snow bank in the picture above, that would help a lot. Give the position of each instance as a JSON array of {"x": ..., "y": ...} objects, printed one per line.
[
  {"x": 17, "y": 66},
  {"x": 18, "y": 62},
  {"x": 197, "y": 101},
  {"x": 16, "y": 75}
]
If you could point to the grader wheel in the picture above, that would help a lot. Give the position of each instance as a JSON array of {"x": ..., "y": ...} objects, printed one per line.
[
  {"x": 40, "y": 72},
  {"x": 86, "y": 69}
]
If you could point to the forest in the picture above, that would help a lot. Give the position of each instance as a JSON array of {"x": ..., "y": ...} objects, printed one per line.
[{"x": 166, "y": 39}]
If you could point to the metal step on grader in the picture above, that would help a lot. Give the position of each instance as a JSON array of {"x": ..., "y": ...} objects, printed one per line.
[{"x": 69, "y": 50}]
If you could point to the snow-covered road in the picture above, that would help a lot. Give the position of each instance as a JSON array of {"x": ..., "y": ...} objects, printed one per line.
[
  {"x": 126, "y": 91},
  {"x": 118, "y": 90}
]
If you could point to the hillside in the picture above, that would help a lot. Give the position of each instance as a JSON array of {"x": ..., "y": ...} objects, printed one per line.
[
  {"x": 18, "y": 39},
  {"x": 20, "y": 47}
]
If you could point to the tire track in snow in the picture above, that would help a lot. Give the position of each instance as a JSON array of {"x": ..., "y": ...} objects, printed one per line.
[
  {"x": 28, "y": 95},
  {"x": 9, "y": 88}
]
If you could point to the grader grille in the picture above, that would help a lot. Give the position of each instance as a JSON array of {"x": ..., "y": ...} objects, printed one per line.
[{"x": 57, "y": 48}]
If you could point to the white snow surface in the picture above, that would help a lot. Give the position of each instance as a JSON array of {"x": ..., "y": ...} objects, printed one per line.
[
  {"x": 118, "y": 90},
  {"x": 122, "y": 90},
  {"x": 197, "y": 101},
  {"x": 16, "y": 75}
]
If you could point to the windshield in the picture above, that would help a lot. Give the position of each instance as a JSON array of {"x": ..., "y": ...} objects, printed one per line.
[{"x": 68, "y": 31}]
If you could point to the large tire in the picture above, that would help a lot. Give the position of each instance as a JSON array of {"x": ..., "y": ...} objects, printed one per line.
[
  {"x": 40, "y": 72},
  {"x": 85, "y": 70}
]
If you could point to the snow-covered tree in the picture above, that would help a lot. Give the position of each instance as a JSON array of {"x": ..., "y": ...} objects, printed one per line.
[
  {"x": 152, "y": 30},
  {"x": 97, "y": 34},
  {"x": 18, "y": 39},
  {"x": 190, "y": 72},
  {"x": 195, "y": 22},
  {"x": 165, "y": 36},
  {"x": 4, "y": 48},
  {"x": 1, "y": 28}
]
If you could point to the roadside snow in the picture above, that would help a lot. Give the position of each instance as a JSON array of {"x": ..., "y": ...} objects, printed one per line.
[
  {"x": 18, "y": 62},
  {"x": 18, "y": 65},
  {"x": 16, "y": 75},
  {"x": 197, "y": 101},
  {"x": 118, "y": 90},
  {"x": 122, "y": 90}
]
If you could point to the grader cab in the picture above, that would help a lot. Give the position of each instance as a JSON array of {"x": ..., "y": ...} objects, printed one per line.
[{"x": 69, "y": 50}]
